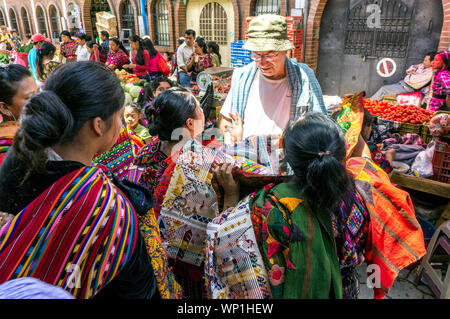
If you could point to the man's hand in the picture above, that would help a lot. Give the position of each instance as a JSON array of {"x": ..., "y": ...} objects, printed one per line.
[{"x": 235, "y": 129}]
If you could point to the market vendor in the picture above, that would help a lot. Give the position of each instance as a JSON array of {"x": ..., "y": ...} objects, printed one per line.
[
  {"x": 273, "y": 90},
  {"x": 68, "y": 47},
  {"x": 418, "y": 77},
  {"x": 441, "y": 82},
  {"x": 118, "y": 55},
  {"x": 200, "y": 60}
]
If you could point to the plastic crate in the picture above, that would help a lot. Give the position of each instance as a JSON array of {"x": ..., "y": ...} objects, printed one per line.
[
  {"x": 410, "y": 128},
  {"x": 441, "y": 161},
  {"x": 425, "y": 134}
]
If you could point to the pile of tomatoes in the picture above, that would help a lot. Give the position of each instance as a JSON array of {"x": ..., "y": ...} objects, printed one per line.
[{"x": 399, "y": 113}]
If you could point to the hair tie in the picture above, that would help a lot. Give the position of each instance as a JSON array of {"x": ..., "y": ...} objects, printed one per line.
[
  {"x": 142, "y": 91},
  {"x": 322, "y": 154}
]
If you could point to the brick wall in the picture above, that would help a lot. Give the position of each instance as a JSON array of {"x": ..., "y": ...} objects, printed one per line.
[{"x": 444, "y": 44}]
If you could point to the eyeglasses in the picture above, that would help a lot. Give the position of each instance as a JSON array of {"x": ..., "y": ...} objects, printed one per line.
[{"x": 269, "y": 57}]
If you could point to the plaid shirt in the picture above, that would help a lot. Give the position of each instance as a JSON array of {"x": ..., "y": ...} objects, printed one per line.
[{"x": 306, "y": 91}]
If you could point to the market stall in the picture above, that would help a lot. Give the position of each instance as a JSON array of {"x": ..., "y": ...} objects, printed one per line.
[
  {"x": 220, "y": 79},
  {"x": 421, "y": 140}
]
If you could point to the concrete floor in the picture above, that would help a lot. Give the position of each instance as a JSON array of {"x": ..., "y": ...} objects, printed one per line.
[{"x": 403, "y": 287}]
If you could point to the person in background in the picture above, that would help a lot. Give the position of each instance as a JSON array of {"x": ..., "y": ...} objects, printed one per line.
[
  {"x": 17, "y": 86},
  {"x": 184, "y": 52},
  {"x": 153, "y": 89},
  {"x": 200, "y": 60},
  {"x": 44, "y": 61},
  {"x": 15, "y": 39},
  {"x": 5, "y": 39},
  {"x": 38, "y": 40},
  {"x": 132, "y": 117},
  {"x": 78, "y": 115},
  {"x": 95, "y": 54},
  {"x": 140, "y": 59},
  {"x": 68, "y": 47},
  {"x": 180, "y": 41},
  {"x": 118, "y": 55},
  {"x": 104, "y": 46},
  {"x": 213, "y": 50},
  {"x": 418, "y": 77},
  {"x": 27, "y": 39},
  {"x": 82, "y": 52},
  {"x": 271, "y": 92},
  {"x": 383, "y": 159},
  {"x": 441, "y": 82},
  {"x": 154, "y": 55},
  {"x": 168, "y": 57}
]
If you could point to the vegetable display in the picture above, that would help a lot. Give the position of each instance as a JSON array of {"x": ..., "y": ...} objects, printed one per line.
[
  {"x": 399, "y": 113},
  {"x": 131, "y": 84},
  {"x": 4, "y": 57}
]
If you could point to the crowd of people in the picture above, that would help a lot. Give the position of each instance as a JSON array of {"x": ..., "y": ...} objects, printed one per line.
[{"x": 279, "y": 200}]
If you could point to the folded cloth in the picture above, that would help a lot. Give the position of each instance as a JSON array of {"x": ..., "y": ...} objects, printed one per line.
[{"x": 406, "y": 153}]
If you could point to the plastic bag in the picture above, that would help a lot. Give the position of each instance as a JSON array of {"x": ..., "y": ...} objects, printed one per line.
[
  {"x": 423, "y": 164},
  {"x": 440, "y": 125}
]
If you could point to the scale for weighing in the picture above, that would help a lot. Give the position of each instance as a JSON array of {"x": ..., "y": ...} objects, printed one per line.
[{"x": 203, "y": 80}]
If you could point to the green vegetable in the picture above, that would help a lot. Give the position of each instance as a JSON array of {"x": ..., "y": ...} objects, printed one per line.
[
  {"x": 134, "y": 91},
  {"x": 4, "y": 58},
  {"x": 128, "y": 99},
  {"x": 128, "y": 86}
]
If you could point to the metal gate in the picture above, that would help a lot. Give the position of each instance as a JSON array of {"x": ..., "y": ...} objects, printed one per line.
[
  {"x": 127, "y": 15},
  {"x": 213, "y": 23},
  {"x": 14, "y": 25},
  {"x": 354, "y": 38}
]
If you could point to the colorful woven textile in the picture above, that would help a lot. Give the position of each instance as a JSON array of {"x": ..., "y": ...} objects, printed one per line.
[
  {"x": 190, "y": 203},
  {"x": 7, "y": 132},
  {"x": 351, "y": 120},
  {"x": 234, "y": 268},
  {"x": 167, "y": 286},
  {"x": 118, "y": 58},
  {"x": 378, "y": 157},
  {"x": 151, "y": 159},
  {"x": 297, "y": 245},
  {"x": 441, "y": 90},
  {"x": 189, "y": 199},
  {"x": 120, "y": 158},
  {"x": 77, "y": 235},
  {"x": 351, "y": 236},
  {"x": 68, "y": 49},
  {"x": 395, "y": 238}
]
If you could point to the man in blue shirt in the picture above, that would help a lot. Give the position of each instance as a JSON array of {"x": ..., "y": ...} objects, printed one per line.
[
  {"x": 104, "y": 47},
  {"x": 38, "y": 40}
]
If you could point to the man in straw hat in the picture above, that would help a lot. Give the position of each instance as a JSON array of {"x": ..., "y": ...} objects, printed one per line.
[{"x": 272, "y": 91}]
